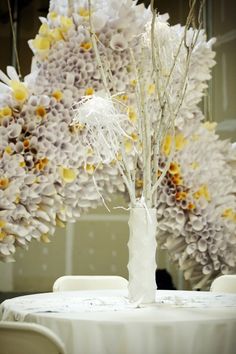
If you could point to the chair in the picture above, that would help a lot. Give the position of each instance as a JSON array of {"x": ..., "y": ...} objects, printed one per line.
[
  {"x": 28, "y": 338},
  {"x": 90, "y": 282},
  {"x": 224, "y": 284}
]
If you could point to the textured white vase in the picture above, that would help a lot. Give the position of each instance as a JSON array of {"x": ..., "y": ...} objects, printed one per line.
[{"x": 142, "y": 255}]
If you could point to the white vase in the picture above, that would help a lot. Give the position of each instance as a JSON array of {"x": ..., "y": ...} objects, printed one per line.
[{"x": 142, "y": 255}]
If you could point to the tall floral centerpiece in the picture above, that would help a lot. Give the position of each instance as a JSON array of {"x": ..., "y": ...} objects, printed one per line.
[{"x": 161, "y": 78}]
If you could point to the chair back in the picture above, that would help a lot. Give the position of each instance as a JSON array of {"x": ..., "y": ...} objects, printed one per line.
[
  {"x": 28, "y": 338},
  {"x": 224, "y": 283},
  {"x": 89, "y": 282}
]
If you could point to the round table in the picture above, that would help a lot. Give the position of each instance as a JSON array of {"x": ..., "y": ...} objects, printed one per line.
[{"x": 104, "y": 322}]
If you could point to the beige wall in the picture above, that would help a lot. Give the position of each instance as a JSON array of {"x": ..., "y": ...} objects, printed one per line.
[{"x": 222, "y": 25}]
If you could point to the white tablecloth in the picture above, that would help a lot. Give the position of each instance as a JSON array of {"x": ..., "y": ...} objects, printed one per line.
[{"x": 104, "y": 322}]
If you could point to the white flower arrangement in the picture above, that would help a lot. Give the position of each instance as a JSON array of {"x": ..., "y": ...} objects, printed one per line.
[{"x": 49, "y": 163}]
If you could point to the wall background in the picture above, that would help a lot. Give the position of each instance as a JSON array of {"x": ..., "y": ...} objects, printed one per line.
[{"x": 97, "y": 243}]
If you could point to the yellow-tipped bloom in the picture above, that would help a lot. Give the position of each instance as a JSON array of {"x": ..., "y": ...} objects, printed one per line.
[
  {"x": 84, "y": 12},
  {"x": 4, "y": 182},
  {"x": 180, "y": 141},
  {"x": 68, "y": 175},
  {"x": 191, "y": 206},
  {"x": 229, "y": 214},
  {"x": 2, "y": 223},
  {"x": 86, "y": 46},
  {"x": 2, "y": 235},
  {"x": 59, "y": 223},
  {"x": 202, "y": 192},
  {"x": 66, "y": 23},
  {"x": 52, "y": 15},
  {"x": 40, "y": 111},
  {"x": 41, "y": 43},
  {"x": 56, "y": 34},
  {"x": 5, "y": 112},
  {"x": 44, "y": 238},
  {"x": 210, "y": 125},
  {"x": 89, "y": 91},
  {"x": 174, "y": 168},
  {"x": 194, "y": 165},
  {"x": 8, "y": 150},
  {"x": 134, "y": 136},
  {"x": 89, "y": 169},
  {"x": 181, "y": 195},
  {"x": 132, "y": 114},
  {"x": 44, "y": 29},
  {"x": 128, "y": 145},
  {"x": 57, "y": 95},
  {"x": 166, "y": 146},
  {"x": 177, "y": 180},
  {"x": 19, "y": 91},
  {"x": 151, "y": 89}
]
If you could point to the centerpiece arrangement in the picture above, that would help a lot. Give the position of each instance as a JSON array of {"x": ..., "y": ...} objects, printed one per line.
[{"x": 109, "y": 107}]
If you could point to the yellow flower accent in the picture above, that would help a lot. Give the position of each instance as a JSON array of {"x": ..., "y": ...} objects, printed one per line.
[
  {"x": 210, "y": 126},
  {"x": 177, "y": 180},
  {"x": 195, "y": 137},
  {"x": 166, "y": 146},
  {"x": 20, "y": 92},
  {"x": 67, "y": 174},
  {"x": 191, "y": 206},
  {"x": 2, "y": 235},
  {"x": 134, "y": 136},
  {"x": 174, "y": 168},
  {"x": 132, "y": 114},
  {"x": 5, "y": 112},
  {"x": 89, "y": 169},
  {"x": 41, "y": 43},
  {"x": 66, "y": 23},
  {"x": 76, "y": 127},
  {"x": 202, "y": 192},
  {"x": 133, "y": 83},
  {"x": 17, "y": 200},
  {"x": 89, "y": 91},
  {"x": 2, "y": 223},
  {"x": 229, "y": 214},
  {"x": 84, "y": 12},
  {"x": 181, "y": 195},
  {"x": 128, "y": 145},
  {"x": 8, "y": 150},
  {"x": 56, "y": 34},
  {"x": 139, "y": 183},
  {"x": 194, "y": 165},
  {"x": 86, "y": 46},
  {"x": 52, "y": 15},
  {"x": 44, "y": 29},
  {"x": 41, "y": 164},
  {"x": 4, "y": 182},
  {"x": 59, "y": 223},
  {"x": 89, "y": 152},
  {"x": 40, "y": 111},
  {"x": 44, "y": 238},
  {"x": 57, "y": 95},
  {"x": 22, "y": 164},
  {"x": 180, "y": 141},
  {"x": 151, "y": 89},
  {"x": 26, "y": 143},
  {"x": 123, "y": 98},
  {"x": 118, "y": 157}
]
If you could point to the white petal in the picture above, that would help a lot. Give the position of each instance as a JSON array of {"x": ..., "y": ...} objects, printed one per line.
[
  {"x": 4, "y": 78},
  {"x": 11, "y": 72}
]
